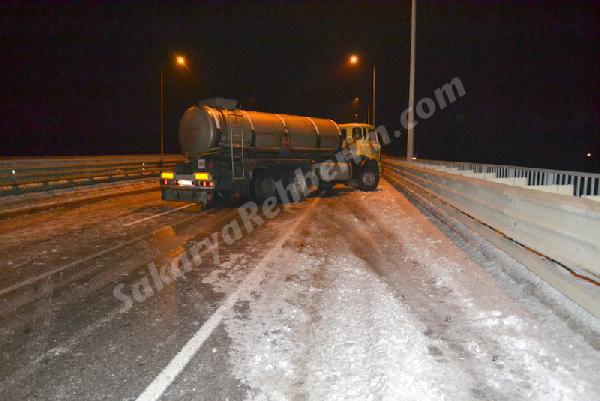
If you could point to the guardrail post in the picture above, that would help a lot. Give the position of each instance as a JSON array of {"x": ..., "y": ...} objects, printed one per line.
[{"x": 15, "y": 185}]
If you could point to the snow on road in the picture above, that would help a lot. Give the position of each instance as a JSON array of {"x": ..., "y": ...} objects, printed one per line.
[
  {"x": 370, "y": 301},
  {"x": 333, "y": 333}
]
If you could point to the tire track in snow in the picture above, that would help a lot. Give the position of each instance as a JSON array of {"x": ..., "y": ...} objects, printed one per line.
[{"x": 325, "y": 327}]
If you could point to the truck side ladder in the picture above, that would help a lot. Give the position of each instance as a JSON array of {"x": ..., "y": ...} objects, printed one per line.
[{"x": 236, "y": 144}]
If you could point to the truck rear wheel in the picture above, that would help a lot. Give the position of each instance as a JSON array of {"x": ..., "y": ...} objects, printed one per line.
[
  {"x": 264, "y": 186},
  {"x": 368, "y": 178},
  {"x": 326, "y": 186},
  {"x": 217, "y": 198},
  {"x": 295, "y": 185}
]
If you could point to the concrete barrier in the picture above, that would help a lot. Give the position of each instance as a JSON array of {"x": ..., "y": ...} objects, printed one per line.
[
  {"x": 555, "y": 189},
  {"x": 514, "y": 181},
  {"x": 471, "y": 173}
]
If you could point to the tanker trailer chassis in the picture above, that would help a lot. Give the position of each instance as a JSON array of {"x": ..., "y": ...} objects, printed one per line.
[{"x": 260, "y": 155}]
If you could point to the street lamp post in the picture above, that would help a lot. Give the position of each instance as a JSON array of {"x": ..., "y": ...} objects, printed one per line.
[
  {"x": 410, "y": 138},
  {"x": 162, "y": 112},
  {"x": 181, "y": 62},
  {"x": 353, "y": 60},
  {"x": 373, "y": 99}
]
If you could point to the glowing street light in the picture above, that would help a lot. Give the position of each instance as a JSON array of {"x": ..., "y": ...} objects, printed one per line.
[
  {"x": 589, "y": 155},
  {"x": 181, "y": 61},
  {"x": 355, "y": 105},
  {"x": 353, "y": 59}
]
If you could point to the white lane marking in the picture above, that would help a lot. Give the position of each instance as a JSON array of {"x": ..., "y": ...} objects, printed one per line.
[
  {"x": 160, "y": 383},
  {"x": 75, "y": 263},
  {"x": 156, "y": 215}
]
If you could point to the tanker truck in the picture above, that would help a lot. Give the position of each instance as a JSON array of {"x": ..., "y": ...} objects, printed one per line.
[{"x": 229, "y": 150}]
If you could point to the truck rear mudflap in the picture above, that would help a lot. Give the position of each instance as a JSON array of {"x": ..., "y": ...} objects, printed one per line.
[{"x": 186, "y": 195}]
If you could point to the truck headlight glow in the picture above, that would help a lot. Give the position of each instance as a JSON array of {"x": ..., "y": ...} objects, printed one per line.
[
  {"x": 167, "y": 175},
  {"x": 201, "y": 176}
]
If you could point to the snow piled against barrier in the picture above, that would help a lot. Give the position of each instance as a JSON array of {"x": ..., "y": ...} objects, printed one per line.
[{"x": 333, "y": 331}]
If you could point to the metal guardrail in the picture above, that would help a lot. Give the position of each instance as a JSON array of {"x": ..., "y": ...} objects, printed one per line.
[
  {"x": 584, "y": 184},
  {"x": 21, "y": 175},
  {"x": 565, "y": 229}
]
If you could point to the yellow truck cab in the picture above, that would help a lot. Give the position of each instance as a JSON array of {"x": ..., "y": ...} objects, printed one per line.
[{"x": 363, "y": 138}]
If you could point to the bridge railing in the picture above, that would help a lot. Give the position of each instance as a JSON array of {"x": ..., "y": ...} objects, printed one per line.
[
  {"x": 20, "y": 175},
  {"x": 575, "y": 183}
]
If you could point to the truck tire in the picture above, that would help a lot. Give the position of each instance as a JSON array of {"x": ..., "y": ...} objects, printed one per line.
[
  {"x": 212, "y": 202},
  {"x": 264, "y": 186},
  {"x": 297, "y": 184},
  {"x": 217, "y": 199},
  {"x": 326, "y": 186},
  {"x": 368, "y": 178}
]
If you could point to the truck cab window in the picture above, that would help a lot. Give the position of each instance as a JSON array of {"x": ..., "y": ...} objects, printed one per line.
[
  {"x": 357, "y": 133},
  {"x": 342, "y": 138},
  {"x": 373, "y": 137}
]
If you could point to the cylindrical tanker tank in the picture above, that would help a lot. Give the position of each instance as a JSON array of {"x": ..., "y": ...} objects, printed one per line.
[{"x": 203, "y": 128}]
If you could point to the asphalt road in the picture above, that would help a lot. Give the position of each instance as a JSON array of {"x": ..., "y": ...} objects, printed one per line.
[{"x": 336, "y": 297}]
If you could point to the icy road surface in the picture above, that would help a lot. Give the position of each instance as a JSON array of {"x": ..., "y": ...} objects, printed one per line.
[{"x": 356, "y": 296}]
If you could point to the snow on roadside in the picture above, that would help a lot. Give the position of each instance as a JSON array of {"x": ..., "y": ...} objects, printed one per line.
[
  {"x": 379, "y": 351},
  {"x": 516, "y": 346}
]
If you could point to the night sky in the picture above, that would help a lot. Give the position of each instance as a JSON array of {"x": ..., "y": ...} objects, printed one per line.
[{"x": 84, "y": 79}]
